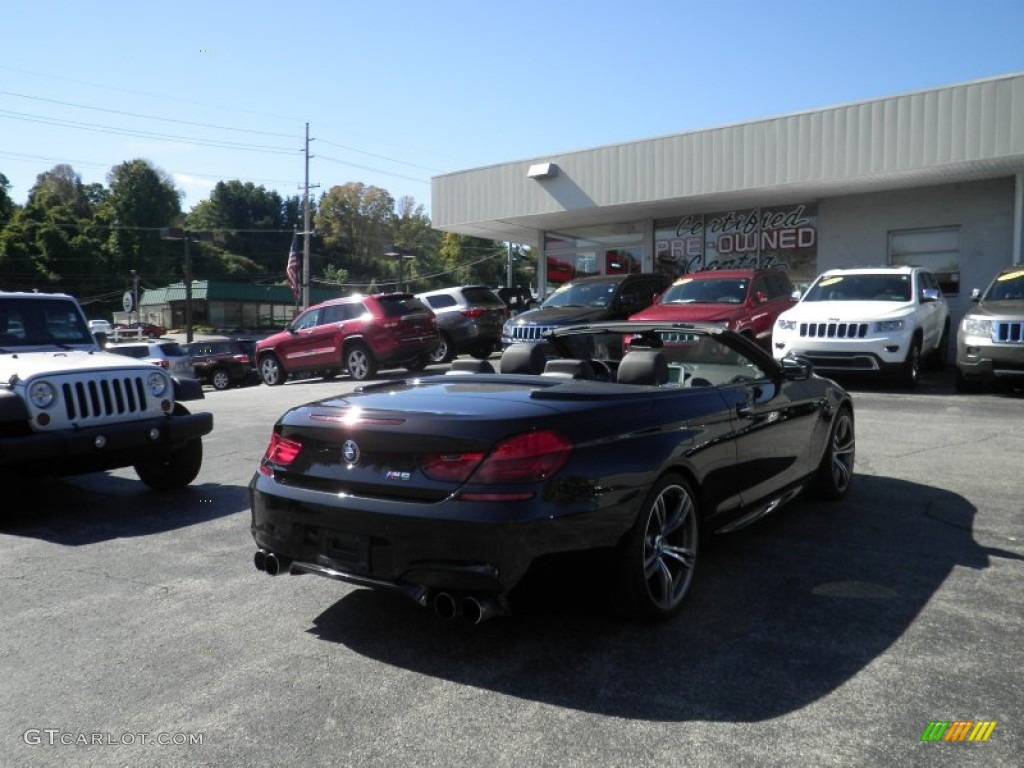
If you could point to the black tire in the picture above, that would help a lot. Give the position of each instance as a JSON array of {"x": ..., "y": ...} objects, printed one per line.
[
  {"x": 444, "y": 352},
  {"x": 221, "y": 379},
  {"x": 939, "y": 358},
  {"x": 271, "y": 371},
  {"x": 835, "y": 472},
  {"x": 911, "y": 371},
  {"x": 177, "y": 469},
  {"x": 360, "y": 363},
  {"x": 657, "y": 560}
]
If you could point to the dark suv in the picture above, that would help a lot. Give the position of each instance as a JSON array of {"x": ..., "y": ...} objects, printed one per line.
[
  {"x": 358, "y": 333},
  {"x": 224, "y": 363},
  {"x": 586, "y": 300},
  {"x": 747, "y": 301},
  {"x": 469, "y": 319}
]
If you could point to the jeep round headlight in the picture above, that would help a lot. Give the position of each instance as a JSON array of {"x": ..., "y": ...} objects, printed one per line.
[
  {"x": 42, "y": 394},
  {"x": 156, "y": 383}
]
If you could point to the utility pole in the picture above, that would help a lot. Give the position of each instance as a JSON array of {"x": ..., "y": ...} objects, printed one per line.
[
  {"x": 306, "y": 229},
  {"x": 508, "y": 267}
]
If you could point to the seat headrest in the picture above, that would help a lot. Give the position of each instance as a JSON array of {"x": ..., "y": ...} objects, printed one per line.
[
  {"x": 643, "y": 366},
  {"x": 471, "y": 366},
  {"x": 570, "y": 369},
  {"x": 525, "y": 357}
]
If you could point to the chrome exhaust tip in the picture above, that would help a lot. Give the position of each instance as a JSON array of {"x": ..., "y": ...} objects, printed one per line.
[
  {"x": 445, "y": 606},
  {"x": 274, "y": 565},
  {"x": 260, "y": 559},
  {"x": 479, "y": 609}
]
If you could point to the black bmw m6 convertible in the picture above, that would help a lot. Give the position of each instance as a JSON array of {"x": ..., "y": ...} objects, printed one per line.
[{"x": 639, "y": 439}]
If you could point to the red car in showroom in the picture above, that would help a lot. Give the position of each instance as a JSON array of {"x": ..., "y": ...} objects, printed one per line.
[
  {"x": 357, "y": 334},
  {"x": 746, "y": 301}
]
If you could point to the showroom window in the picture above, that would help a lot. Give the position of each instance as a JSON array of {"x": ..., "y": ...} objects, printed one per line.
[
  {"x": 936, "y": 249},
  {"x": 598, "y": 250}
]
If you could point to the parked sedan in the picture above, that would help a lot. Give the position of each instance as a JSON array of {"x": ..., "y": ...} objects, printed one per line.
[
  {"x": 449, "y": 488},
  {"x": 134, "y": 330}
]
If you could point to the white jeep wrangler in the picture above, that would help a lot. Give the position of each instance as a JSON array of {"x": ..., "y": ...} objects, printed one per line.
[{"x": 68, "y": 408}]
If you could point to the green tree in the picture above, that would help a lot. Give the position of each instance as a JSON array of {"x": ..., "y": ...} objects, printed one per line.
[
  {"x": 7, "y": 205},
  {"x": 143, "y": 200},
  {"x": 52, "y": 242},
  {"x": 357, "y": 223}
]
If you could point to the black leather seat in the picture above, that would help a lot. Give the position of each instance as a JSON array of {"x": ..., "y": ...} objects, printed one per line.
[
  {"x": 568, "y": 368},
  {"x": 643, "y": 366},
  {"x": 471, "y": 366},
  {"x": 525, "y": 357}
]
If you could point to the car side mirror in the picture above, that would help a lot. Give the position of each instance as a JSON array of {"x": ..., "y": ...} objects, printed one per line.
[
  {"x": 976, "y": 294},
  {"x": 795, "y": 295},
  {"x": 930, "y": 294},
  {"x": 760, "y": 297},
  {"x": 796, "y": 368}
]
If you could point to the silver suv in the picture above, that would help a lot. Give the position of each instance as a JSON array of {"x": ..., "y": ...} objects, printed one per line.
[
  {"x": 876, "y": 320},
  {"x": 990, "y": 340},
  {"x": 469, "y": 320},
  {"x": 169, "y": 355}
]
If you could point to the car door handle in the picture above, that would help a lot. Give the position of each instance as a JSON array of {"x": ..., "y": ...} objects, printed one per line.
[{"x": 744, "y": 410}]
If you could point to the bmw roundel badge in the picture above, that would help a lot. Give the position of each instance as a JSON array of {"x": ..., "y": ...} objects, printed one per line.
[{"x": 350, "y": 451}]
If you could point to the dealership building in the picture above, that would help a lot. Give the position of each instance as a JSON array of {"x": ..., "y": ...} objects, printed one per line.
[{"x": 933, "y": 178}]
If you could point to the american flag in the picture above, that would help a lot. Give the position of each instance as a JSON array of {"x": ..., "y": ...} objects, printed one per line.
[{"x": 293, "y": 265}]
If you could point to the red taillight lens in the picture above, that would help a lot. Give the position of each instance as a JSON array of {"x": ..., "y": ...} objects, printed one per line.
[
  {"x": 474, "y": 312},
  {"x": 282, "y": 450},
  {"x": 450, "y": 467},
  {"x": 524, "y": 459}
]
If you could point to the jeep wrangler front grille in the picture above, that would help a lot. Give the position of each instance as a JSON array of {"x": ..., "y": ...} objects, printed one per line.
[{"x": 98, "y": 399}]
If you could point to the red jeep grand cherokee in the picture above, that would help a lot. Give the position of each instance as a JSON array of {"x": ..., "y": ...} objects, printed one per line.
[
  {"x": 358, "y": 333},
  {"x": 743, "y": 300}
]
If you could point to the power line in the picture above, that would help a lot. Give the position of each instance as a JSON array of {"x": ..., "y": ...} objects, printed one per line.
[
  {"x": 149, "y": 117},
  {"x": 99, "y": 128}
]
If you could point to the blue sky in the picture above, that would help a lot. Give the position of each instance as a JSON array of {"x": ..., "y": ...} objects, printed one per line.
[{"x": 398, "y": 92}]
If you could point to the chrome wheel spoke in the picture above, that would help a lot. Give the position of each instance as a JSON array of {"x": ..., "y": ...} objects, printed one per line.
[{"x": 683, "y": 555}]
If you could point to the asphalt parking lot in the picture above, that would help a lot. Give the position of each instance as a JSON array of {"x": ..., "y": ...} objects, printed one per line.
[{"x": 134, "y": 629}]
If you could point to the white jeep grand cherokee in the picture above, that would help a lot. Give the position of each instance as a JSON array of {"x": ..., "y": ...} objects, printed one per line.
[{"x": 882, "y": 320}]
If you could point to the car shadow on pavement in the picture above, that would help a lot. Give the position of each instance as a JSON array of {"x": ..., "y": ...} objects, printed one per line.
[
  {"x": 783, "y": 613},
  {"x": 89, "y": 509}
]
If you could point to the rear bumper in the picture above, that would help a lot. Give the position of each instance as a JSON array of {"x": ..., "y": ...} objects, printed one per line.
[{"x": 479, "y": 547}]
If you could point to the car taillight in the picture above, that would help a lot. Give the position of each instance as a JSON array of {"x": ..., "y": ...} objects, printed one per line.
[
  {"x": 280, "y": 451},
  {"x": 524, "y": 458},
  {"x": 450, "y": 467},
  {"x": 162, "y": 363},
  {"x": 241, "y": 358},
  {"x": 475, "y": 312}
]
